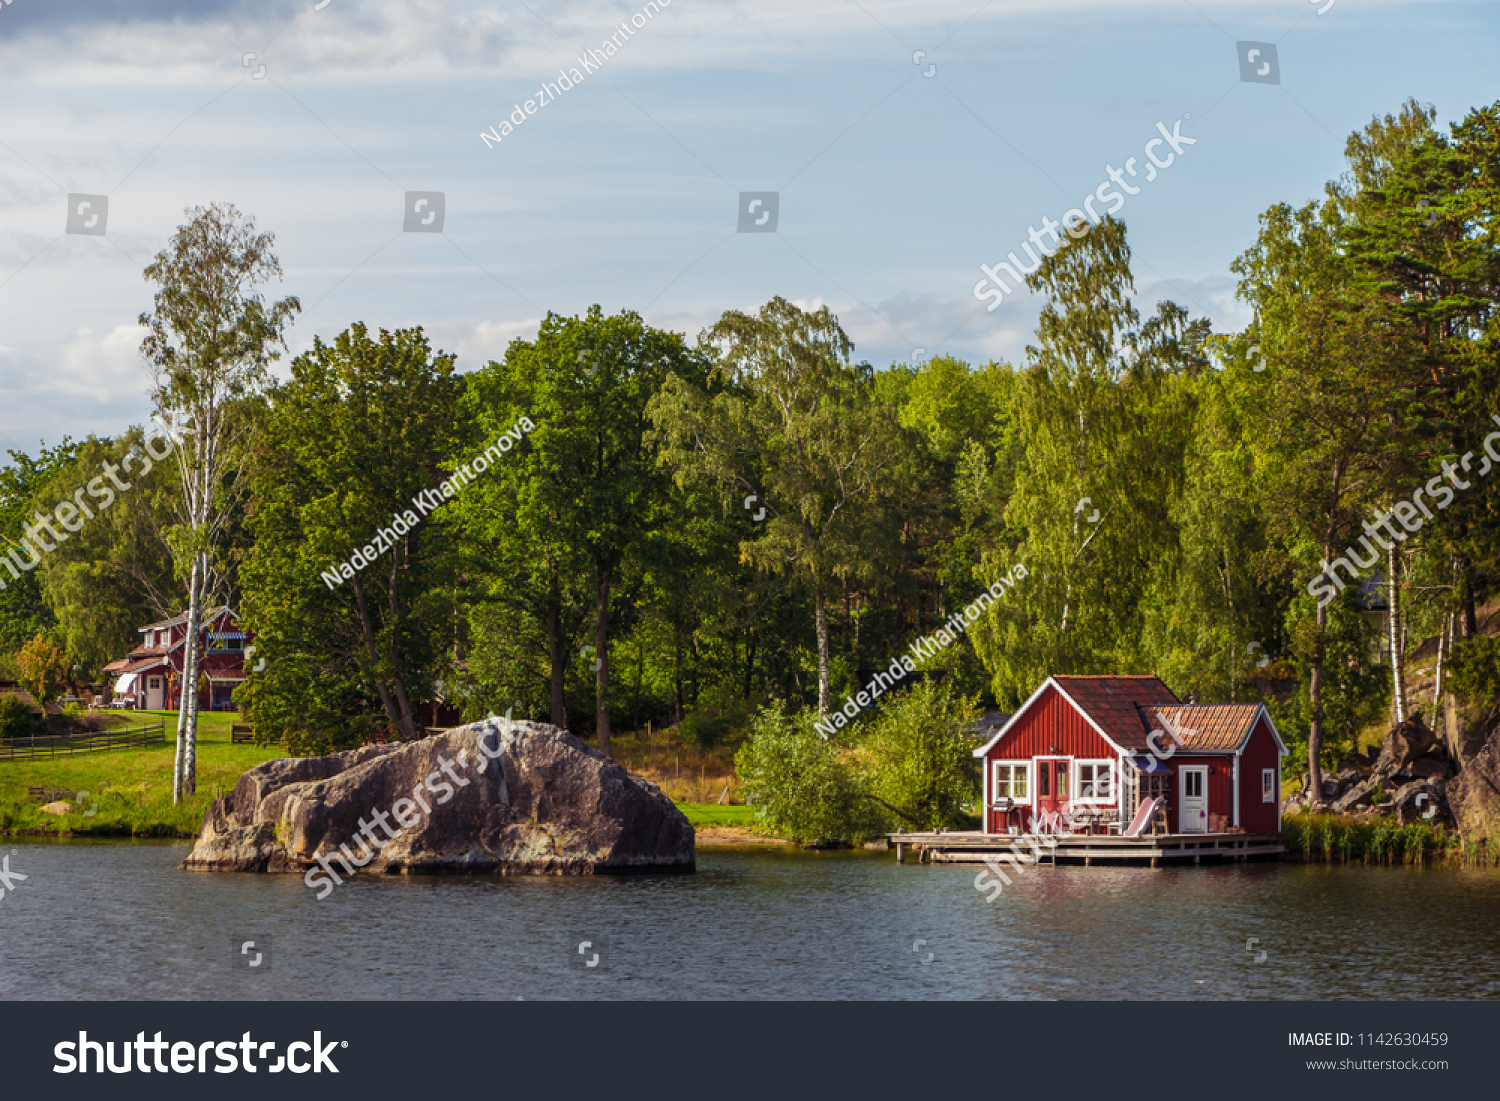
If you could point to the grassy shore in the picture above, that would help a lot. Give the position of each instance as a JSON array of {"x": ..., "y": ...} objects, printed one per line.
[
  {"x": 130, "y": 790},
  {"x": 703, "y": 815}
]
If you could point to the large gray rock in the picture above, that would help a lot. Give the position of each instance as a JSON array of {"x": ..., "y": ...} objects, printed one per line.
[
  {"x": 1433, "y": 809},
  {"x": 1355, "y": 796},
  {"x": 1404, "y": 743},
  {"x": 1467, "y": 728},
  {"x": 497, "y": 797},
  {"x": 1474, "y": 794}
]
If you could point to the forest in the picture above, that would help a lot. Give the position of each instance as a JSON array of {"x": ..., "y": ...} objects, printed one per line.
[{"x": 749, "y": 525}]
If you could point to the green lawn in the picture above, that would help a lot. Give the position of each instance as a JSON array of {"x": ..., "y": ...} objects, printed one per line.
[
  {"x": 130, "y": 789},
  {"x": 707, "y": 814}
]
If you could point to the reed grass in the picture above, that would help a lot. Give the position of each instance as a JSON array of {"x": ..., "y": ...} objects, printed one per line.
[{"x": 1332, "y": 837}]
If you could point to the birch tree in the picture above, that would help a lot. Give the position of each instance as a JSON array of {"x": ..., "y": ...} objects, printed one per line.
[
  {"x": 797, "y": 433},
  {"x": 210, "y": 339}
]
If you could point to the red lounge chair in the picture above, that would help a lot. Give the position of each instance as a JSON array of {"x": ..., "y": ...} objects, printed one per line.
[{"x": 1142, "y": 817}]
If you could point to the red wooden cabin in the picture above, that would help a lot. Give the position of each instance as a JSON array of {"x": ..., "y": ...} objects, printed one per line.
[{"x": 1093, "y": 747}]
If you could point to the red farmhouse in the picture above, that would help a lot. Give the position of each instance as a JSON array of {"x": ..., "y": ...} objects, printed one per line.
[
  {"x": 150, "y": 677},
  {"x": 1095, "y": 746}
]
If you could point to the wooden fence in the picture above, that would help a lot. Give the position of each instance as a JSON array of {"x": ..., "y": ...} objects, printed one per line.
[{"x": 60, "y": 745}]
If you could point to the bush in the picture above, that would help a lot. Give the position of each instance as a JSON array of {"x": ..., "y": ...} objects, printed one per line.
[
  {"x": 16, "y": 717},
  {"x": 911, "y": 767},
  {"x": 920, "y": 756},
  {"x": 802, "y": 783},
  {"x": 43, "y": 667}
]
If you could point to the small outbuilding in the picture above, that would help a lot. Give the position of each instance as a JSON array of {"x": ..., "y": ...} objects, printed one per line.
[{"x": 1096, "y": 747}]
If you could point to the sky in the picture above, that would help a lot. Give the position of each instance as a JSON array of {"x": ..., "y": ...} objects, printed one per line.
[{"x": 906, "y": 144}]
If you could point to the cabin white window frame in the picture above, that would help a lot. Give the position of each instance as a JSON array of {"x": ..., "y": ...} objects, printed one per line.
[
  {"x": 1097, "y": 764},
  {"x": 1268, "y": 785},
  {"x": 1024, "y": 768}
]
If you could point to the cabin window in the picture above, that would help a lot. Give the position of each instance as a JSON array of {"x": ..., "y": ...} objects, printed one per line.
[
  {"x": 1268, "y": 785},
  {"x": 1010, "y": 781},
  {"x": 1095, "y": 782},
  {"x": 1192, "y": 783}
]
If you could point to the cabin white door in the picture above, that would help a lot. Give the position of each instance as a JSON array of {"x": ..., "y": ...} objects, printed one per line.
[
  {"x": 155, "y": 692},
  {"x": 1192, "y": 803}
]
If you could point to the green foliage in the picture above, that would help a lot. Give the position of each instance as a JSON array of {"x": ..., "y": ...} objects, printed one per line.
[
  {"x": 803, "y": 785},
  {"x": 917, "y": 757},
  {"x": 23, "y": 608},
  {"x": 708, "y": 727},
  {"x": 17, "y": 718},
  {"x": 362, "y": 427},
  {"x": 44, "y": 667},
  {"x": 1379, "y": 840},
  {"x": 798, "y": 427},
  {"x": 910, "y": 767},
  {"x": 562, "y": 532},
  {"x": 1475, "y": 670},
  {"x": 115, "y": 573}
]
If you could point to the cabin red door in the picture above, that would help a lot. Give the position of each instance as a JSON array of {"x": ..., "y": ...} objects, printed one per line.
[{"x": 1051, "y": 785}]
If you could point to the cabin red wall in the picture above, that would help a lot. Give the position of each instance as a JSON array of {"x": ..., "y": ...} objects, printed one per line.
[
  {"x": 1050, "y": 728},
  {"x": 1220, "y": 786},
  {"x": 1260, "y": 753}
]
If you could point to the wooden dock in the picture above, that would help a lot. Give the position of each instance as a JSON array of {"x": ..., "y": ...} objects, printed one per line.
[{"x": 1088, "y": 849}]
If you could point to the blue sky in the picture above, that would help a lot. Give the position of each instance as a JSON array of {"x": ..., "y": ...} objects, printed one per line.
[{"x": 894, "y": 185}]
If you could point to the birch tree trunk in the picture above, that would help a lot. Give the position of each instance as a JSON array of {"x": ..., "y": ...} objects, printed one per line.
[
  {"x": 194, "y": 662},
  {"x": 1445, "y": 643},
  {"x": 1393, "y": 633}
]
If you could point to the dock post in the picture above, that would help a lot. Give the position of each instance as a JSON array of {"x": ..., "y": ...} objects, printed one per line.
[{"x": 900, "y": 853}]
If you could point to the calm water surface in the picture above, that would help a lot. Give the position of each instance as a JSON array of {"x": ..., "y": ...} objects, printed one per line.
[{"x": 95, "y": 920}]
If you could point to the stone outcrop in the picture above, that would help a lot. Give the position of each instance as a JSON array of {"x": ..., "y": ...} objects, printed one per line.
[
  {"x": 1467, "y": 729},
  {"x": 1404, "y": 744},
  {"x": 1475, "y": 794},
  {"x": 498, "y": 797},
  {"x": 1411, "y": 762}
]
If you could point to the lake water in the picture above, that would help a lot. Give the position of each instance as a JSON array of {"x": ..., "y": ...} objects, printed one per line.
[{"x": 96, "y": 920}]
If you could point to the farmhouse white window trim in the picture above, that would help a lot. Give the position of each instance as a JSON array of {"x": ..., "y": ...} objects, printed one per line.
[{"x": 1268, "y": 785}]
